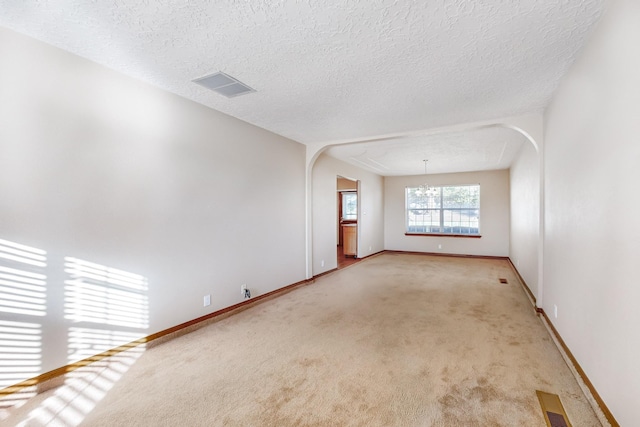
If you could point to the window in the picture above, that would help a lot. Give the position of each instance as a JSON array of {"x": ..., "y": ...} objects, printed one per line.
[
  {"x": 451, "y": 210},
  {"x": 349, "y": 205}
]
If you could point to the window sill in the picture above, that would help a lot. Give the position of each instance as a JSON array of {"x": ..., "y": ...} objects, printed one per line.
[{"x": 467, "y": 236}]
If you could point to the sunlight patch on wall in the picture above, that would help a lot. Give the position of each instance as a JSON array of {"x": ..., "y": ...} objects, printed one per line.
[
  {"x": 108, "y": 308},
  {"x": 23, "y": 254},
  {"x": 22, "y": 279},
  {"x": 20, "y": 359},
  {"x": 22, "y": 305},
  {"x": 20, "y": 351},
  {"x": 98, "y": 294}
]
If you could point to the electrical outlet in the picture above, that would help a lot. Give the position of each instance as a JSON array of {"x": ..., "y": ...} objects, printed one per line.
[
  {"x": 322, "y": 263},
  {"x": 555, "y": 311},
  {"x": 243, "y": 288},
  {"x": 207, "y": 300},
  {"x": 369, "y": 248},
  {"x": 439, "y": 246}
]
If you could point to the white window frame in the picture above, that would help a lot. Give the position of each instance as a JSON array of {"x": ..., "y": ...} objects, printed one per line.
[
  {"x": 436, "y": 204},
  {"x": 349, "y": 216}
]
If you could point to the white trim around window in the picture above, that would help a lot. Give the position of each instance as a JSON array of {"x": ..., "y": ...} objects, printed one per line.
[{"x": 452, "y": 210}]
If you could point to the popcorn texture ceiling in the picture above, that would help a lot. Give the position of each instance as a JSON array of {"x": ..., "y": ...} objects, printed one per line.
[{"x": 329, "y": 70}]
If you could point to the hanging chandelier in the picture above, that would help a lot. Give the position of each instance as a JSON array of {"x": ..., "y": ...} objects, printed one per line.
[{"x": 425, "y": 189}]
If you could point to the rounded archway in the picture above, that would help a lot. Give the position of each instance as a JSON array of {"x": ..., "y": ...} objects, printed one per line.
[{"x": 527, "y": 224}]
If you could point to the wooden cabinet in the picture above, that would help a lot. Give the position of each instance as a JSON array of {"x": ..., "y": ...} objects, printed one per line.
[{"x": 349, "y": 233}]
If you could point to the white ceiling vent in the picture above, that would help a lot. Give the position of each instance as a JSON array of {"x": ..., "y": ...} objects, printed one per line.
[{"x": 224, "y": 84}]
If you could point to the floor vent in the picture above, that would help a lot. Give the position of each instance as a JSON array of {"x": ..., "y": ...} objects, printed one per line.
[
  {"x": 552, "y": 409},
  {"x": 503, "y": 280}
]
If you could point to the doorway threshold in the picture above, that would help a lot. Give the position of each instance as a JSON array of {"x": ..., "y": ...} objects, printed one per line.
[{"x": 345, "y": 261}]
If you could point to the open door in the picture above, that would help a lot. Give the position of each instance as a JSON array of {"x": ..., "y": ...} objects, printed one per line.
[{"x": 347, "y": 221}]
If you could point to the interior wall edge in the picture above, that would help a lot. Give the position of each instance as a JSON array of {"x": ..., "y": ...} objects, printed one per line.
[
  {"x": 443, "y": 254},
  {"x": 526, "y": 287}
]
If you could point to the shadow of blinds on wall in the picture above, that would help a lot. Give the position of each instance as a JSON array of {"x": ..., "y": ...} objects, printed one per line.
[
  {"x": 23, "y": 284},
  {"x": 108, "y": 307}
]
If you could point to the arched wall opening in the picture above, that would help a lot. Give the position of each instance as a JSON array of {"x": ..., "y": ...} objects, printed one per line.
[
  {"x": 322, "y": 208},
  {"x": 526, "y": 204}
]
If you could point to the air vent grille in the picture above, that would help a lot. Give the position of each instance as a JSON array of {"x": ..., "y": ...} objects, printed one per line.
[{"x": 224, "y": 84}]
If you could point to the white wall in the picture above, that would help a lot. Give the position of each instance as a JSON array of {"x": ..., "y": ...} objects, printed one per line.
[
  {"x": 592, "y": 232},
  {"x": 494, "y": 215},
  {"x": 525, "y": 213},
  {"x": 325, "y": 220},
  {"x": 99, "y": 166}
]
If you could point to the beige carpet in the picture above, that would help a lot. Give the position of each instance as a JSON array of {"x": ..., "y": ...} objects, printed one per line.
[{"x": 395, "y": 340}]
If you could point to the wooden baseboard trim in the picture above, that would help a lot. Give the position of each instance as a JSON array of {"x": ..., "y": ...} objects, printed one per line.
[
  {"x": 333, "y": 270},
  {"x": 171, "y": 333},
  {"x": 603, "y": 407},
  {"x": 373, "y": 254},
  {"x": 447, "y": 255},
  {"x": 524, "y": 284},
  {"x": 464, "y": 236}
]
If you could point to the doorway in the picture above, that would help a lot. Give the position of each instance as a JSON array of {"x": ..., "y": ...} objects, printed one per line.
[{"x": 347, "y": 202}]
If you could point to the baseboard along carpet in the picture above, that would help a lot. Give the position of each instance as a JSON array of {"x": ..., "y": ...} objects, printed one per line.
[{"x": 394, "y": 340}]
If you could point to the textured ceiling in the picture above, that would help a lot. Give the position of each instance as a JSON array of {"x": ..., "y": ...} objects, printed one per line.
[
  {"x": 328, "y": 70},
  {"x": 486, "y": 148}
]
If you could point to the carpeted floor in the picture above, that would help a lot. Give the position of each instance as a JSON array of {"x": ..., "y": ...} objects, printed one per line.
[{"x": 395, "y": 340}]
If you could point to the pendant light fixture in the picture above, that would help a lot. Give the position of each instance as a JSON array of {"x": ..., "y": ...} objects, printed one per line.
[{"x": 425, "y": 190}]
